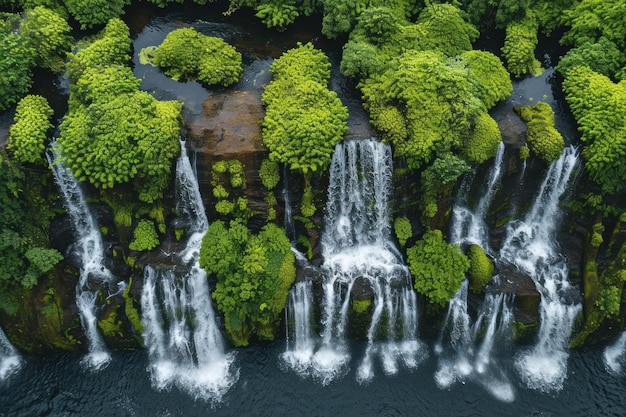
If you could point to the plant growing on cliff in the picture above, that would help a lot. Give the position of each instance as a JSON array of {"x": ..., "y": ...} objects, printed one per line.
[
  {"x": 438, "y": 267},
  {"x": 481, "y": 268},
  {"x": 29, "y": 132},
  {"x": 145, "y": 236},
  {"x": 254, "y": 273},
  {"x": 188, "y": 55},
  {"x": 402, "y": 228},
  {"x": 543, "y": 139}
]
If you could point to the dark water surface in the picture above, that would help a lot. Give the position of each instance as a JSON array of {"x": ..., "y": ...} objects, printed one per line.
[{"x": 58, "y": 386}]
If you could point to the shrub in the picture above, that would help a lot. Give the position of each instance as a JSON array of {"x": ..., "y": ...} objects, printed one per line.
[
  {"x": 481, "y": 268},
  {"x": 28, "y": 134},
  {"x": 543, "y": 138},
  {"x": 145, "y": 236}
]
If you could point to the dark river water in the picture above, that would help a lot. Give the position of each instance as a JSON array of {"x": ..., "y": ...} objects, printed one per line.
[{"x": 59, "y": 386}]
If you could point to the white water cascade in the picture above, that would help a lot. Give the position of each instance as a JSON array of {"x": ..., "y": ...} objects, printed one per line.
[
  {"x": 614, "y": 355},
  {"x": 459, "y": 359},
  {"x": 359, "y": 252},
  {"x": 94, "y": 275},
  {"x": 10, "y": 359},
  {"x": 530, "y": 247},
  {"x": 185, "y": 345}
]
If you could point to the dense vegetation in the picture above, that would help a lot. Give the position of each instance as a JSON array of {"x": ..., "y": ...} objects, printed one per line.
[{"x": 427, "y": 92}]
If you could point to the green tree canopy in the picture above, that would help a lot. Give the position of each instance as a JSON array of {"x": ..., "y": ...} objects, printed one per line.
[
  {"x": 519, "y": 47},
  {"x": 589, "y": 20},
  {"x": 599, "y": 106},
  {"x": 603, "y": 57},
  {"x": 187, "y": 54},
  {"x": 49, "y": 35},
  {"x": 29, "y": 132},
  {"x": 17, "y": 57},
  {"x": 254, "y": 274},
  {"x": 437, "y": 266},
  {"x": 542, "y": 137},
  {"x": 304, "y": 119},
  {"x": 91, "y": 13}
]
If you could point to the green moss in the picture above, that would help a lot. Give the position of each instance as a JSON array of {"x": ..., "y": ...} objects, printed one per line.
[
  {"x": 481, "y": 268},
  {"x": 132, "y": 312},
  {"x": 361, "y": 306},
  {"x": 524, "y": 331},
  {"x": 179, "y": 233},
  {"x": 110, "y": 325}
]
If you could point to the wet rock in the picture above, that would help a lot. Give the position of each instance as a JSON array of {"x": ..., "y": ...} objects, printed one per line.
[{"x": 527, "y": 298}]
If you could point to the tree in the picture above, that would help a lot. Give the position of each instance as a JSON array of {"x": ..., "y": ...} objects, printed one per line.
[
  {"x": 519, "y": 47},
  {"x": 254, "y": 274},
  {"x": 188, "y": 55},
  {"x": 304, "y": 119},
  {"x": 90, "y": 13},
  {"x": 603, "y": 57},
  {"x": 15, "y": 65},
  {"x": 29, "y": 132},
  {"x": 599, "y": 106},
  {"x": 589, "y": 20},
  {"x": 542, "y": 137},
  {"x": 437, "y": 266},
  {"x": 49, "y": 35}
]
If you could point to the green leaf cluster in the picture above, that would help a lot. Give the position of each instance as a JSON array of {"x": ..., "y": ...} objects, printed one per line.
[
  {"x": 17, "y": 57},
  {"x": 599, "y": 106},
  {"x": 269, "y": 174},
  {"x": 438, "y": 267},
  {"x": 29, "y": 132},
  {"x": 188, "y": 55},
  {"x": 49, "y": 35},
  {"x": 403, "y": 229},
  {"x": 276, "y": 13},
  {"x": 304, "y": 119},
  {"x": 481, "y": 268},
  {"x": 589, "y": 20},
  {"x": 254, "y": 274},
  {"x": 603, "y": 57},
  {"x": 145, "y": 236},
  {"x": 430, "y": 104},
  {"x": 543, "y": 139},
  {"x": 91, "y": 13},
  {"x": 519, "y": 47},
  {"x": 115, "y": 134}
]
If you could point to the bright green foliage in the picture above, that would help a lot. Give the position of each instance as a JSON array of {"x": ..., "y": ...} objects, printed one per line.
[
  {"x": 28, "y": 135},
  {"x": 90, "y": 13},
  {"x": 430, "y": 104},
  {"x": 403, "y": 229},
  {"x": 490, "y": 80},
  {"x": 437, "y": 266},
  {"x": 188, "y": 55},
  {"x": 237, "y": 174},
  {"x": 270, "y": 176},
  {"x": 542, "y": 137},
  {"x": 110, "y": 48},
  {"x": 524, "y": 152},
  {"x": 254, "y": 274},
  {"x": 591, "y": 19},
  {"x": 609, "y": 301},
  {"x": 519, "y": 48},
  {"x": 304, "y": 119},
  {"x": 603, "y": 57},
  {"x": 17, "y": 57},
  {"x": 49, "y": 35},
  {"x": 115, "y": 134},
  {"x": 306, "y": 61},
  {"x": 481, "y": 268},
  {"x": 599, "y": 106},
  {"x": 361, "y": 60},
  {"x": 378, "y": 25},
  {"x": 307, "y": 206},
  {"x": 276, "y": 13},
  {"x": 40, "y": 261},
  {"x": 438, "y": 179},
  {"x": 145, "y": 236},
  {"x": 484, "y": 141},
  {"x": 511, "y": 11}
]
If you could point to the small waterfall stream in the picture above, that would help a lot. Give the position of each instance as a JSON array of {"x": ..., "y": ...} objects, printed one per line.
[
  {"x": 615, "y": 354},
  {"x": 185, "y": 345},
  {"x": 459, "y": 359},
  {"x": 530, "y": 247},
  {"x": 94, "y": 275},
  {"x": 358, "y": 251},
  {"x": 10, "y": 360}
]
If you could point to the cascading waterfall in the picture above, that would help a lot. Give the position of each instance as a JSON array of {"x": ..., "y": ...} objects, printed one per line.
[
  {"x": 185, "y": 345},
  {"x": 459, "y": 360},
  {"x": 468, "y": 226},
  {"x": 358, "y": 251},
  {"x": 529, "y": 246},
  {"x": 94, "y": 275},
  {"x": 615, "y": 355},
  {"x": 10, "y": 360}
]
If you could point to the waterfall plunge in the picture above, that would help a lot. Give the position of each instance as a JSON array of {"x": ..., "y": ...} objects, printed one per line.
[
  {"x": 93, "y": 274},
  {"x": 529, "y": 246},
  {"x": 459, "y": 358},
  {"x": 185, "y": 345},
  {"x": 10, "y": 360},
  {"x": 358, "y": 250}
]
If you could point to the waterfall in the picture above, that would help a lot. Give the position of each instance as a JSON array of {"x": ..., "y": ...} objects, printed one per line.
[
  {"x": 185, "y": 345},
  {"x": 290, "y": 228},
  {"x": 529, "y": 246},
  {"x": 459, "y": 360},
  {"x": 468, "y": 226},
  {"x": 300, "y": 342},
  {"x": 359, "y": 254},
  {"x": 94, "y": 276},
  {"x": 10, "y": 360},
  {"x": 614, "y": 355}
]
